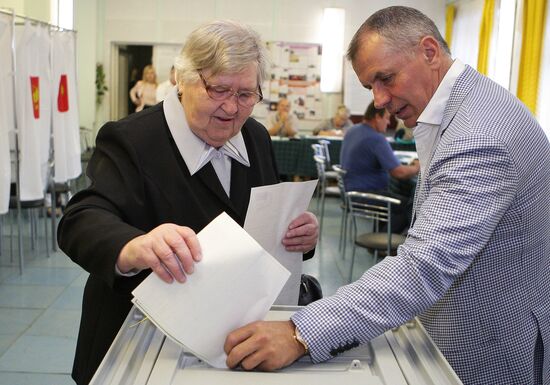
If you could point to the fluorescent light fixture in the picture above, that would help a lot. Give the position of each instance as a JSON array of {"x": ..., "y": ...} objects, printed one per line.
[{"x": 333, "y": 49}]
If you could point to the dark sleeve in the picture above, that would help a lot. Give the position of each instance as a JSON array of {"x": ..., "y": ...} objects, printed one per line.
[{"x": 96, "y": 226}]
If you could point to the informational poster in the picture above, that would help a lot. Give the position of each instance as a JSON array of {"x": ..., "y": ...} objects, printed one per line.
[{"x": 296, "y": 75}]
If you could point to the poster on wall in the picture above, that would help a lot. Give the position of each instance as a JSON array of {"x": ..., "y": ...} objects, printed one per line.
[{"x": 296, "y": 75}]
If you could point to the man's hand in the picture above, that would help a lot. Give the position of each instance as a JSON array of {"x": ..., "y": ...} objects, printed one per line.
[
  {"x": 302, "y": 233},
  {"x": 169, "y": 250},
  {"x": 263, "y": 345}
]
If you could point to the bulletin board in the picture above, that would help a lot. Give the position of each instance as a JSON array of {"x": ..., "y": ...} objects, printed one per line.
[{"x": 296, "y": 75}]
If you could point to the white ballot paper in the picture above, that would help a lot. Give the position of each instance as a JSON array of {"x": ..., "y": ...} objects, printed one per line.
[
  {"x": 270, "y": 211},
  {"x": 234, "y": 284}
]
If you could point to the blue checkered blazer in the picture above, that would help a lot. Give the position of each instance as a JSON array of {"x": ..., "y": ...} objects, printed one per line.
[{"x": 475, "y": 266}]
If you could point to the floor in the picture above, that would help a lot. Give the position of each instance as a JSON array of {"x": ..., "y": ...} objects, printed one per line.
[{"x": 40, "y": 309}]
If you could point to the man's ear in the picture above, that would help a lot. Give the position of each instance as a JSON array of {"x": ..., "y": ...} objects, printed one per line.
[{"x": 431, "y": 51}]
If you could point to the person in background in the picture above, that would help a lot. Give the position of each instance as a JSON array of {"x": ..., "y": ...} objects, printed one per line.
[
  {"x": 403, "y": 134},
  {"x": 335, "y": 126},
  {"x": 144, "y": 93},
  {"x": 282, "y": 122},
  {"x": 369, "y": 162},
  {"x": 475, "y": 267},
  {"x": 165, "y": 87},
  {"x": 161, "y": 175}
]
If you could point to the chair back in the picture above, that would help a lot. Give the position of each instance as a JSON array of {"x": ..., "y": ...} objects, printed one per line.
[
  {"x": 374, "y": 207},
  {"x": 320, "y": 164},
  {"x": 340, "y": 173},
  {"x": 319, "y": 158},
  {"x": 325, "y": 151}
]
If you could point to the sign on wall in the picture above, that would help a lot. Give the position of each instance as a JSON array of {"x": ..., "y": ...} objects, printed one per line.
[{"x": 296, "y": 75}]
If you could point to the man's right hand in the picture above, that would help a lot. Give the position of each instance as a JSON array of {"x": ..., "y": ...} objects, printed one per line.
[{"x": 169, "y": 250}]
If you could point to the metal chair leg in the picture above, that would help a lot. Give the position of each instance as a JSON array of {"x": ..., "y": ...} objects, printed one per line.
[{"x": 45, "y": 214}]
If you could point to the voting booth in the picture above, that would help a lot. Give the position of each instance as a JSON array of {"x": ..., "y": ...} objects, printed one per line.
[{"x": 142, "y": 355}]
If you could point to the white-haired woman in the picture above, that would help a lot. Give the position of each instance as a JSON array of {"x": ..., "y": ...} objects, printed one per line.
[{"x": 161, "y": 175}]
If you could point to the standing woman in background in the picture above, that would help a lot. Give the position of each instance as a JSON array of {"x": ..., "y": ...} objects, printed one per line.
[{"x": 144, "y": 93}]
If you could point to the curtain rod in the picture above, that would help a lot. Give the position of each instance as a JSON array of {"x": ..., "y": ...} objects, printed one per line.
[{"x": 7, "y": 12}]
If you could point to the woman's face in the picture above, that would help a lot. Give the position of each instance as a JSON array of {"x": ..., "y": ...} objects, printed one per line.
[
  {"x": 149, "y": 76},
  {"x": 217, "y": 121}
]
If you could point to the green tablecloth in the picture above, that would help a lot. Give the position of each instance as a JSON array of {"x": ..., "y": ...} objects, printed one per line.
[{"x": 295, "y": 156}]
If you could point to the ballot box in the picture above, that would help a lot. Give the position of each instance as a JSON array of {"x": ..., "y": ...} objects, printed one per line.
[{"x": 142, "y": 355}]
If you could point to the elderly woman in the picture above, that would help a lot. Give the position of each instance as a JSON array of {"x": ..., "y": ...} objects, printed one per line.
[{"x": 161, "y": 175}]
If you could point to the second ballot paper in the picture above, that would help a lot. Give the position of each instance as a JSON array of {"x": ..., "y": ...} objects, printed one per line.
[{"x": 235, "y": 283}]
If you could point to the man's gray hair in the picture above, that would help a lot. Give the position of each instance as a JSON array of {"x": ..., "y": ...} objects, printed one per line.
[
  {"x": 222, "y": 46},
  {"x": 401, "y": 27}
]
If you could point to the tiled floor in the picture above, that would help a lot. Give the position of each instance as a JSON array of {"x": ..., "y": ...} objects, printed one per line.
[{"x": 40, "y": 310}]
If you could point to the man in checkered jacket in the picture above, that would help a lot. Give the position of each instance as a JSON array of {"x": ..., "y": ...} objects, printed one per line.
[{"x": 475, "y": 267}]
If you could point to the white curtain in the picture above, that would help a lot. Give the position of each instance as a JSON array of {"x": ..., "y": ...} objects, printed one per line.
[
  {"x": 502, "y": 42},
  {"x": 33, "y": 108},
  {"x": 6, "y": 108},
  {"x": 465, "y": 40},
  {"x": 66, "y": 130},
  {"x": 543, "y": 100}
]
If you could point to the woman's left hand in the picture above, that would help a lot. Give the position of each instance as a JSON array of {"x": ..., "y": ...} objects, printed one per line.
[{"x": 302, "y": 233}]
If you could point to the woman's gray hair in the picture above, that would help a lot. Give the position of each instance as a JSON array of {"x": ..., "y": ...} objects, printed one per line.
[
  {"x": 222, "y": 46},
  {"x": 401, "y": 27}
]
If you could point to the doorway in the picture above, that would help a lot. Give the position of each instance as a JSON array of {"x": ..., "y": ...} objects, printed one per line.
[{"x": 131, "y": 61}]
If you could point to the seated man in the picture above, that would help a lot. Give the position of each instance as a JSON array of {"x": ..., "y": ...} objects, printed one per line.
[
  {"x": 369, "y": 161},
  {"x": 282, "y": 123},
  {"x": 335, "y": 126}
]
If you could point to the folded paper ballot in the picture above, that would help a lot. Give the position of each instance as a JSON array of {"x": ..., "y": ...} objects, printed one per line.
[
  {"x": 235, "y": 283},
  {"x": 270, "y": 211}
]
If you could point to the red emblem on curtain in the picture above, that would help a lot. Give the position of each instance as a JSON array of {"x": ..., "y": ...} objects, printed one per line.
[
  {"x": 35, "y": 95},
  {"x": 63, "y": 95}
]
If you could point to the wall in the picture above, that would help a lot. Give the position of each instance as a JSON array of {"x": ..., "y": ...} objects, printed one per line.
[
  {"x": 17, "y": 5},
  {"x": 170, "y": 21},
  {"x": 85, "y": 22}
]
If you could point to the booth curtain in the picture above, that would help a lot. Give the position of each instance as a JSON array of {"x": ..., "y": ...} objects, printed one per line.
[
  {"x": 66, "y": 130},
  {"x": 33, "y": 109},
  {"x": 6, "y": 108}
]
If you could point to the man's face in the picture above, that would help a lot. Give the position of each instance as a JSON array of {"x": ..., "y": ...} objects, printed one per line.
[
  {"x": 283, "y": 106},
  {"x": 217, "y": 121},
  {"x": 400, "y": 82}
]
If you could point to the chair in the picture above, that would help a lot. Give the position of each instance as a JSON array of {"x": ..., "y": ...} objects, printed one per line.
[
  {"x": 322, "y": 188},
  {"x": 34, "y": 208},
  {"x": 63, "y": 191},
  {"x": 376, "y": 208},
  {"x": 340, "y": 173},
  {"x": 330, "y": 174}
]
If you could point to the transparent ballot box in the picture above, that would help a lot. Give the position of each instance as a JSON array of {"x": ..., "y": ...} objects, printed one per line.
[{"x": 142, "y": 355}]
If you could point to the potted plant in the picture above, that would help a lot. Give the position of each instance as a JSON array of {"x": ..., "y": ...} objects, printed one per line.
[{"x": 100, "y": 86}]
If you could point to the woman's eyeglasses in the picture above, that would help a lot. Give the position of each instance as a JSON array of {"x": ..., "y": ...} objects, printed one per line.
[{"x": 244, "y": 98}]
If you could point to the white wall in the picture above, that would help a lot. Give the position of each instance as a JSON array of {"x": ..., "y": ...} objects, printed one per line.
[
  {"x": 17, "y": 5},
  {"x": 170, "y": 21},
  {"x": 85, "y": 22}
]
